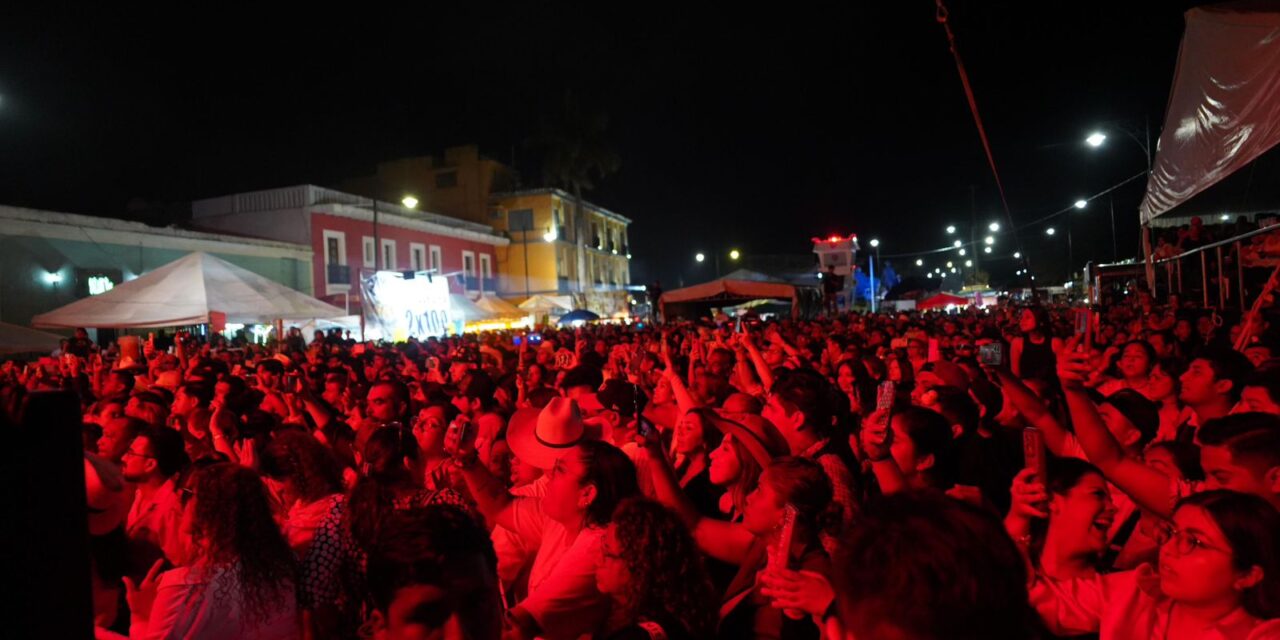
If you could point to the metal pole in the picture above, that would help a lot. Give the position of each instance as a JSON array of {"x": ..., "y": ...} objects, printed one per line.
[
  {"x": 872, "y": 264},
  {"x": 1204, "y": 279},
  {"x": 377, "y": 242},
  {"x": 1240, "y": 275},
  {"x": 1070, "y": 249},
  {"x": 1168, "y": 272},
  {"x": 525, "y": 249},
  {"x": 1222, "y": 290},
  {"x": 1178, "y": 262},
  {"x": 1115, "y": 255}
]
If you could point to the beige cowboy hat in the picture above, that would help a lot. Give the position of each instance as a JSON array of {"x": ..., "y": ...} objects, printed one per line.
[{"x": 541, "y": 437}]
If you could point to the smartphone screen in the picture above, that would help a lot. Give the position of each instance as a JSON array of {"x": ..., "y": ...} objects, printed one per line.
[{"x": 1033, "y": 452}]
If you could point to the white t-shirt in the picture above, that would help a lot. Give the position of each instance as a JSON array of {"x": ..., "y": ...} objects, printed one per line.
[
  {"x": 563, "y": 598},
  {"x": 188, "y": 606}
]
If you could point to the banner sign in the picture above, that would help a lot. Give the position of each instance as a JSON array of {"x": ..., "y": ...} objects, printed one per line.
[{"x": 396, "y": 308}]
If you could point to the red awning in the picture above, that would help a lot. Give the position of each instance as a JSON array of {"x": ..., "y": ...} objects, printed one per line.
[
  {"x": 942, "y": 301},
  {"x": 1224, "y": 111}
]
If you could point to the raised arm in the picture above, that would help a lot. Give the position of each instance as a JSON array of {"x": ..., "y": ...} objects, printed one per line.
[
  {"x": 1148, "y": 487},
  {"x": 1056, "y": 437}
]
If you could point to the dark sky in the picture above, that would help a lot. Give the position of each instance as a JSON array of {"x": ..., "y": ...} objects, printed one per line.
[{"x": 755, "y": 130}]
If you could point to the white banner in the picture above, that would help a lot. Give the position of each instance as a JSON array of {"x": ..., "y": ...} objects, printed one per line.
[{"x": 396, "y": 308}]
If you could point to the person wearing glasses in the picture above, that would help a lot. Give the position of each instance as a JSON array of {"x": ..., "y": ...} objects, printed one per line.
[
  {"x": 153, "y": 463},
  {"x": 1218, "y": 577}
]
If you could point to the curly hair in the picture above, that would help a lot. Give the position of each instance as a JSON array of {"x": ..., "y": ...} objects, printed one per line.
[
  {"x": 296, "y": 455},
  {"x": 233, "y": 527},
  {"x": 668, "y": 579},
  {"x": 374, "y": 495}
]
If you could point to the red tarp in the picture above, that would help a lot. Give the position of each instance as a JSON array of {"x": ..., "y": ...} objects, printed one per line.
[
  {"x": 941, "y": 301},
  {"x": 730, "y": 291},
  {"x": 1224, "y": 111}
]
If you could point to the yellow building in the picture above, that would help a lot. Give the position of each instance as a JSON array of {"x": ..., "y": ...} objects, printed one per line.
[{"x": 552, "y": 252}]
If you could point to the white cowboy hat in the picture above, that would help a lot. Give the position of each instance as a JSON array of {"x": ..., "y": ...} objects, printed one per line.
[{"x": 541, "y": 437}]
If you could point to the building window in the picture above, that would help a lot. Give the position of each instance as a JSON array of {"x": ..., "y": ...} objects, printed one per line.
[
  {"x": 486, "y": 269},
  {"x": 389, "y": 254},
  {"x": 520, "y": 220},
  {"x": 446, "y": 179},
  {"x": 370, "y": 257},
  {"x": 331, "y": 250},
  {"x": 469, "y": 270},
  {"x": 417, "y": 256},
  {"x": 337, "y": 276},
  {"x": 437, "y": 262}
]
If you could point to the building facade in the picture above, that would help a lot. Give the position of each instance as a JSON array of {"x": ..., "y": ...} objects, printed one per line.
[
  {"x": 550, "y": 251},
  {"x": 49, "y": 259},
  {"x": 349, "y": 233}
]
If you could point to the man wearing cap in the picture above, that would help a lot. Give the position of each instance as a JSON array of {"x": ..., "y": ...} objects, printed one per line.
[{"x": 586, "y": 481}]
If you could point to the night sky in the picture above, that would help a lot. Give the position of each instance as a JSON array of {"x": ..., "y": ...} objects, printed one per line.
[{"x": 750, "y": 130}]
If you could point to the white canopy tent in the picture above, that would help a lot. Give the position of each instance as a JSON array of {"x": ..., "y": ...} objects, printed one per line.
[
  {"x": 16, "y": 339},
  {"x": 194, "y": 289}
]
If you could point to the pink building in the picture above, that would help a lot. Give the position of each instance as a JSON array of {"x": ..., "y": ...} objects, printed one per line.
[{"x": 340, "y": 229}]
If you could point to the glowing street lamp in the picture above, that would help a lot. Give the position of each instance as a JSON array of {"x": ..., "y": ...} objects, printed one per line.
[
  {"x": 1049, "y": 231},
  {"x": 989, "y": 240},
  {"x": 961, "y": 252},
  {"x": 1096, "y": 139},
  {"x": 956, "y": 244},
  {"x": 1017, "y": 254},
  {"x": 949, "y": 265},
  {"x": 951, "y": 228},
  {"x": 986, "y": 249},
  {"x": 1080, "y": 204},
  {"x": 409, "y": 202},
  {"x": 968, "y": 263},
  {"x": 875, "y": 243},
  {"x": 919, "y": 262},
  {"x": 994, "y": 226},
  {"x": 699, "y": 257},
  {"x": 734, "y": 255}
]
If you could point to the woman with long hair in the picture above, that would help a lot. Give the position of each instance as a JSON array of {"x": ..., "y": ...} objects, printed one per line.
[
  {"x": 1065, "y": 526},
  {"x": 694, "y": 438},
  {"x": 1218, "y": 576},
  {"x": 653, "y": 572},
  {"x": 236, "y": 573},
  {"x": 307, "y": 481},
  {"x": 1031, "y": 353}
]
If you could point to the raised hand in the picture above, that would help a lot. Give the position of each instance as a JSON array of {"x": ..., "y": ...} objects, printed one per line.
[{"x": 142, "y": 596}]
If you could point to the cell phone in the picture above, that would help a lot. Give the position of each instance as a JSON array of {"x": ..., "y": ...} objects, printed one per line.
[
  {"x": 517, "y": 340},
  {"x": 645, "y": 428},
  {"x": 535, "y": 338},
  {"x": 991, "y": 354},
  {"x": 884, "y": 395},
  {"x": 1033, "y": 453}
]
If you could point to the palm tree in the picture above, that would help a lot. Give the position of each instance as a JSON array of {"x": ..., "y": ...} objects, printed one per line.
[{"x": 576, "y": 155}]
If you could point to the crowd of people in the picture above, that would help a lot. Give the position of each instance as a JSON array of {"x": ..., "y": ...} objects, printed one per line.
[{"x": 855, "y": 476}]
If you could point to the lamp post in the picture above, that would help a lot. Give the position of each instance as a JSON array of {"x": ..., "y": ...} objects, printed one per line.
[{"x": 875, "y": 247}]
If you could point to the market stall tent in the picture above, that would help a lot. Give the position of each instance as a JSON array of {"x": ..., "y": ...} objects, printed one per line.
[
  {"x": 737, "y": 287},
  {"x": 16, "y": 339},
  {"x": 195, "y": 289},
  {"x": 942, "y": 301}
]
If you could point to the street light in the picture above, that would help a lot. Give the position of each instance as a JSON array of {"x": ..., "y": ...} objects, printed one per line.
[
  {"x": 961, "y": 252},
  {"x": 919, "y": 262},
  {"x": 989, "y": 240},
  {"x": 1080, "y": 204},
  {"x": 1049, "y": 231},
  {"x": 551, "y": 235},
  {"x": 951, "y": 228},
  {"x": 949, "y": 265},
  {"x": 994, "y": 226},
  {"x": 875, "y": 243},
  {"x": 968, "y": 263},
  {"x": 1017, "y": 254},
  {"x": 986, "y": 249},
  {"x": 734, "y": 255},
  {"x": 699, "y": 257},
  {"x": 956, "y": 244},
  {"x": 409, "y": 202},
  {"x": 1096, "y": 139}
]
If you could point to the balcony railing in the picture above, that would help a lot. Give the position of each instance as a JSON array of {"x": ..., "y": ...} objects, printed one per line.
[{"x": 338, "y": 274}]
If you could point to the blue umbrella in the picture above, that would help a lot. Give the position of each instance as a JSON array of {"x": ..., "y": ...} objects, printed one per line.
[{"x": 576, "y": 315}]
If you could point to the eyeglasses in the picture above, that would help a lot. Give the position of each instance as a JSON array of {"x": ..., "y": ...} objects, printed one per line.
[
  {"x": 131, "y": 452},
  {"x": 1184, "y": 542}
]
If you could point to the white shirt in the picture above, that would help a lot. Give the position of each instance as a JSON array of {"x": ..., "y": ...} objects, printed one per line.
[
  {"x": 188, "y": 606},
  {"x": 563, "y": 598}
]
